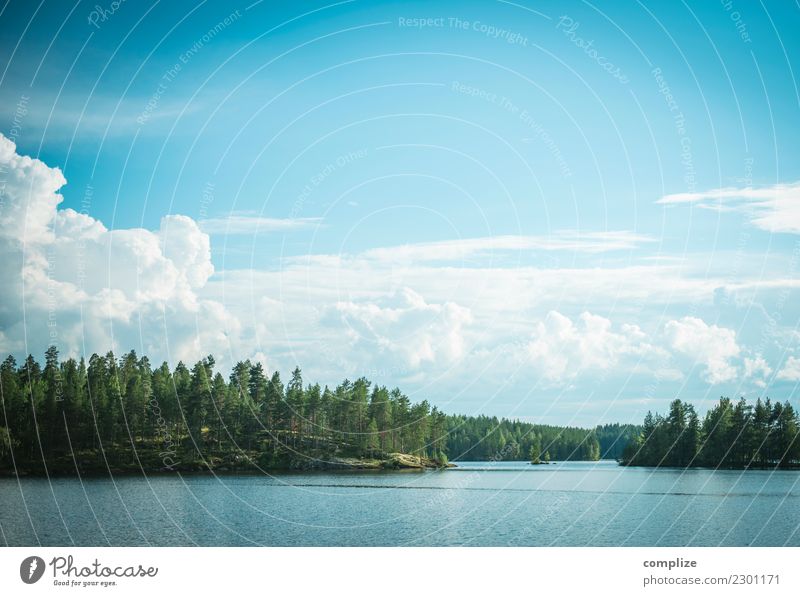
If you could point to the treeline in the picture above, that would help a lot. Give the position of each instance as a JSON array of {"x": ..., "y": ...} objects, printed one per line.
[
  {"x": 489, "y": 438},
  {"x": 614, "y": 438},
  {"x": 731, "y": 435},
  {"x": 127, "y": 411},
  {"x": 123, "y": 412}
]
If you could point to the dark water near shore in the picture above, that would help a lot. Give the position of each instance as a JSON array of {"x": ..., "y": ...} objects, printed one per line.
[{"x": 478, "y": 504}]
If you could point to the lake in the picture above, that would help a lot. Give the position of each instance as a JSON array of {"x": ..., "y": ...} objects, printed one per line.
[{"x": 477, "y": 504}]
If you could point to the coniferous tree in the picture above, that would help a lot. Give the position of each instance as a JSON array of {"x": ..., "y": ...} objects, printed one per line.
[
  {"x": 196, "y": 403},
  {"x": 535, "y": 453},
  {"x": 118, "y": 412},
  {"x": 314, "y": 420},
  {"x": 731, "y": 436},
  {"x": 295, "y": 404}
]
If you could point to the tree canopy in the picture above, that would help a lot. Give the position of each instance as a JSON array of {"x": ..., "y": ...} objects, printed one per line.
[
  {"x": 121, "y": 411},
  {"x": 731, "y": 435}
]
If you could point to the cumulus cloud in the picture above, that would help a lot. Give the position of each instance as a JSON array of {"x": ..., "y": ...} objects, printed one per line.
[
  {"x": 80, "y": 284},
  {"x": 790, "y": 370},
  {"x": 408, "y": 328},
  {"x": 711, "y": 346},
  {"x": 507, "y": 307},
  {"x": 773, "y": 208},
  {"x": 561, "y": 350},
  {"x": 70, "y": 281},
  {"x": 757, "y": 370},
  {"x": 29, "y": 192}
]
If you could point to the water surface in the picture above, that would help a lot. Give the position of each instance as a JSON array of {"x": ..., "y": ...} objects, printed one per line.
[{"x": 477, "y": 504}]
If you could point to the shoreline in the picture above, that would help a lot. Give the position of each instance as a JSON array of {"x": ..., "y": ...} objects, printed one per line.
[
  {"x": 393, "y": 462},
  {"x": 396, "y": 462}
]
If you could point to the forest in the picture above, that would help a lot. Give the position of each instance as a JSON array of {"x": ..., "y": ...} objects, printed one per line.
[
  {"x": 122, "y": 413},
  {"x": 731, "y": 435}
]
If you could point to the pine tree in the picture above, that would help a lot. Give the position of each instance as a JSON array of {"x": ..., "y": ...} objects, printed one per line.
[
  {"x": 535, "y": 453},
  {"x": 112, "y": 413},
  {"x": 295, "y": 404},
  {"x": 196, "y": 404}
]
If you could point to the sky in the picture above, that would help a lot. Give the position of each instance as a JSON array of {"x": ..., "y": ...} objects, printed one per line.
[{"x": 568, "y": 213}]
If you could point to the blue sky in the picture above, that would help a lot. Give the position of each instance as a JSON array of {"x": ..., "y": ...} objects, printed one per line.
[{"x": 504, "y": 207}]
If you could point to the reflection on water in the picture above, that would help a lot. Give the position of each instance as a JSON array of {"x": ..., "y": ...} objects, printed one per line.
[{"x": 477, "y": 504}]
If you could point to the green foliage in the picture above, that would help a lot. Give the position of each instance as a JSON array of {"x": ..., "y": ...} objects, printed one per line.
[
  {"x": 5, "y": 442},
  {"x": 613, "y": 438},
  {"x": 489, "y": 438},
  {"x": 535, "y": 452},
  {"x": 122, "y": 412},
  {"x": 731, "y": 436}
]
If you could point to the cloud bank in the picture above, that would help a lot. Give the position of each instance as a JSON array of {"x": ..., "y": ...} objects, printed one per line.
[{"x": 392, "y": 311}]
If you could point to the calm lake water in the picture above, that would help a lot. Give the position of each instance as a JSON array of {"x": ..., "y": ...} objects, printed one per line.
[{"x": 478, "y": 504}]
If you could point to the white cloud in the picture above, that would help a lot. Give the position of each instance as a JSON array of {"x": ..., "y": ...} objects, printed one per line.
[
  {"x": 407, "y": 327},
  {"x": 757, "y": 369},
  {"x": 104, "y": 116},
  {"x": 773, "y": 208},
  {"x": 390, "y": 309},
  {"x": 28, "y": 189},
  {"x": 238, "y": 224},
  {"x": 790, "y": 370},
  {"x": 465, "y": 248},
  {"x": 561, "y": 350},
  {"x": 709, "y": 345},
  {"x": 503, "y": 303},
  {"x": 80, "y": 284}
]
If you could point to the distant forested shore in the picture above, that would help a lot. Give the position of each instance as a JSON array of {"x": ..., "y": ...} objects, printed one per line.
[
  {"x": 731, "y": 435},
  {"x": 121, "y": 414}
]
